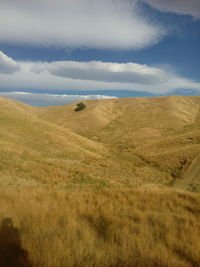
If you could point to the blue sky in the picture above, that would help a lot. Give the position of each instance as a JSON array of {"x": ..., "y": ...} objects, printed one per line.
[{"x": 87, "y": 49}]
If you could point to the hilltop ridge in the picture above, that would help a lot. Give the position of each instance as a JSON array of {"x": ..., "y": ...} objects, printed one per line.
[
  {"x": 105, "y": 186},
  {"x": 127, "y": 140},
  {"x": 162, "y": 131}
]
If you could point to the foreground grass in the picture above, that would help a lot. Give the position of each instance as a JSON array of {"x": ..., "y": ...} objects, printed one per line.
[{"x": 148, "y": 226}]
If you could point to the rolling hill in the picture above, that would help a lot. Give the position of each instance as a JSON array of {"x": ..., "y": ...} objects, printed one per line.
[
  {"x": 105, "y": 186},
  {"x": 120, "y": 141},
  {"x": 38, "y": 151},
  {"x": 160, "y": 136}
]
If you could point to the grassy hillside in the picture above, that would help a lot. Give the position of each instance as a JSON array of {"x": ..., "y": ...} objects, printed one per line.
[
  {"x": 120, "y": 141},
  {"x": 105, "y": 186},
  {"x": 193, "y": 171},
  {"x": 38, "y": 151},
  {"x": 148, "y": 226},
  {"x": 164, "y": 113},
  {"x": 155, "y": 134}
]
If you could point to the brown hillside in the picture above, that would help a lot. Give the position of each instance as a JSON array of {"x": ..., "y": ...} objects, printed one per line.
[
  {"x": 164, "y": 131},
  {"x": 101, "y": 187},
  {"x": 97, "y": 115},
  {"x": 161, "y": 113},
  {"x": 193, "y": 173},
  {"x": 33, "y": 149},
  {"x": 120, "y": 141}
]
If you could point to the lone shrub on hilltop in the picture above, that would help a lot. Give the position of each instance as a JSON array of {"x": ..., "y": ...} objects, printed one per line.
[{"x": 80, "y": 106}]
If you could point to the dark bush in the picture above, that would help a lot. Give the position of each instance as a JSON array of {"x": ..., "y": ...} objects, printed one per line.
[{"x": 80, "y": 106}]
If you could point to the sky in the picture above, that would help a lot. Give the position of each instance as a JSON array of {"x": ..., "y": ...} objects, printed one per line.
[{"x": 59, "y": 51}]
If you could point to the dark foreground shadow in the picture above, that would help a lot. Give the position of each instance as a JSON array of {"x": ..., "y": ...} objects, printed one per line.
[{"x": 11, "y": 252}]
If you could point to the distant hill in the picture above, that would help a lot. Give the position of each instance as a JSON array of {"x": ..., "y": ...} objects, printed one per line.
[
  {"x": 35, "y": 150},
  {"x": 104, "y": 186},
  {"x": 118, "y": 141}
]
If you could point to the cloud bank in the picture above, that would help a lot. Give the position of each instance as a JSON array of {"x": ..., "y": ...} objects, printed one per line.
[
  {"x": 103, "y": 71},
  {"x": 183, "y": 7},
  {"x": 93, "y": 76},
  {"x": 36, "y": 99},
  {"x": 7, "y": 64},
  {"x": 107, "y": 24}
]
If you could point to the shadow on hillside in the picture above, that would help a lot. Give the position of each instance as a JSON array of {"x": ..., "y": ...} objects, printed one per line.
[{"x": 11, "y": 252}]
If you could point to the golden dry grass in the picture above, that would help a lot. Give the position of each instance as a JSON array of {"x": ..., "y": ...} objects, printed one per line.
[
  {"x": 148, "y": 226},
  {"x": 99, "y": 187},
  {"x": 163, "y": 113},
  {"x": 160, "y": 136},
  {"x": 39, "y": 151},
  {"x": 120, "y": 140}
]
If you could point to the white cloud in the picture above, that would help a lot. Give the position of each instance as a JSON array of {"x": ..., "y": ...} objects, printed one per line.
[
  {"x": 104, "y": 71},
  {"x": 94, "y": 76},
  {"x": 7, "y": 64},
  {"x": 184, "y": 7},
  {"x": 108, "y": 24},
  {"x": 37, "y": 99}
]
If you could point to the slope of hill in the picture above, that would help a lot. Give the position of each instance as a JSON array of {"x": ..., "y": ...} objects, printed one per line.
[
  {"x": 193, "y": 173},
  {"x": 96, "y": 116},
  {"x": 120, "y": 141},
  {"x": 34, "y": 149},
  {"x": 160, "y": 134},
  {"x": 99, "y": 187},
  {"x": 164, "y": 113}
]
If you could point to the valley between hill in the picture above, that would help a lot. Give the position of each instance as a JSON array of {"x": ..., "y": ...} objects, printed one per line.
[
  {"x": 116, "y": 184},
  {"x": 155, "y": 138}
]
